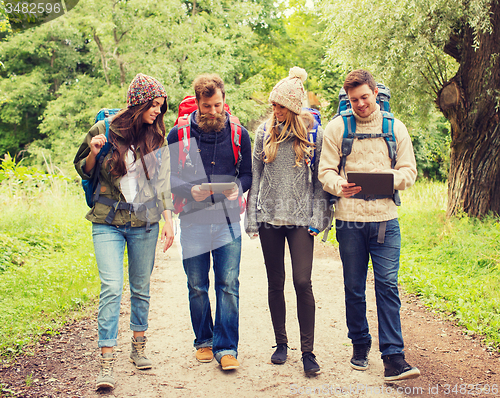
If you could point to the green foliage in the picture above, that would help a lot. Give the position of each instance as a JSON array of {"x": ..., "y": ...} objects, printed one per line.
[
  {"x": 21, "y": 181},
  {"x": 5, "y": 28},
  {"x": 432, "y": 149},
  {"x": 400, "y": 42},
  {"x": 47, "y": 265},
  {"x": 67, "y": 119},
  {"x": 36, "y": 63},
  {"x": 292, "y": 40},
  {"x": 58, "y": 75}
]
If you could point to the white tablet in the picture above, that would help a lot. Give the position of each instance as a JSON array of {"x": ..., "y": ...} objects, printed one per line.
[{"x": 218, "y": 187}]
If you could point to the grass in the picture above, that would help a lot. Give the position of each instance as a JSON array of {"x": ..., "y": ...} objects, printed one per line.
[
  {"x": 47, "y": 265},
  {"x": 453, "y": 264}
]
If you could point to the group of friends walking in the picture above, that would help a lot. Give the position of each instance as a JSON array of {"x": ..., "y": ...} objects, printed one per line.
[{"x": 201, "y": 170}]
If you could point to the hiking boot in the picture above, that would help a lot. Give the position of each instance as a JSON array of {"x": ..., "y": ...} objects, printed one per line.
[
  {"x": 310, "y": 364},
  {"x": 204, "y": 354},
  {"x": 137, "y": 355},
  {"x": 279, "y": 355},
  {"x": 396, "y": 368},
  {"x": 229, "y": 362},
  {"x": 359, "y": 360},
  {"x": 105, "y": 378}
]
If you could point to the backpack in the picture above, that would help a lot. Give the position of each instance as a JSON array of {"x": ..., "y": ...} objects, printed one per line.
[
  {"x": 183, "y": 123},
  {"x": 383, "y": 97},
  {"x": 188, "y": 106},
  {"x": 92, "y": 187},
  {"x": 344, "y": 110}
]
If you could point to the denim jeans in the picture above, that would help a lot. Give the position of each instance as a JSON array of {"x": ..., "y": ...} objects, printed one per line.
[
  {"x": 109, "y": 246},
  {"x": 358, "y": 241},
  {"x": 198, "y": 241}
]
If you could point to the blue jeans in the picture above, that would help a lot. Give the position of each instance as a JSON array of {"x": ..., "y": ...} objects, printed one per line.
[
  {"x": 198, "y": 241},
  {"x": 358, "y": 241},
  {"x": 109, "y": 246}
]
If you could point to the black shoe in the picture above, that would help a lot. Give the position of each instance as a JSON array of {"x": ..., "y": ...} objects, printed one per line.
[
  {"x": 359, "y": 360},
  {"x": 396, "y": 368},
  {"x": 279, "y": 355},
  {"x": 310, "y": 364}
]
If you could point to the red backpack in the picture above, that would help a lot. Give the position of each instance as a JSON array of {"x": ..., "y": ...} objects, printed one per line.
[{"x": 183, "y": 123}]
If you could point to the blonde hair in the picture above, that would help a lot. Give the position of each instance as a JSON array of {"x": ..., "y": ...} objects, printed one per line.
[{"x": 298, "y": 125}]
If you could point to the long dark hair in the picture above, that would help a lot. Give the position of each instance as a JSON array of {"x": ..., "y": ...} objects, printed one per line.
[{"x": 128, "y": 129}]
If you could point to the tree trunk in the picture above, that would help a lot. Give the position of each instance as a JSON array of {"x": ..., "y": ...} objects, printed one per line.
[
  {"x": 102, "y": 52},
  {"x": 118, "y": 59},
  {"x": 471, "y": 102}
]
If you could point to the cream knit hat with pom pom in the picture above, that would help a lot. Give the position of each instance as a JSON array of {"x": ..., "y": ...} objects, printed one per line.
[{"x": 290, "y": 92}]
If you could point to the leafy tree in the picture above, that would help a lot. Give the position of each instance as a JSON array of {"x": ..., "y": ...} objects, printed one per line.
[
  {"x": 291, "y": 38},
  {"x": 35, "y": 64},
  {"x": 58, "y": 75},
  {"x": 5, "y": 28},
  {"x": 443, "y": 53}
]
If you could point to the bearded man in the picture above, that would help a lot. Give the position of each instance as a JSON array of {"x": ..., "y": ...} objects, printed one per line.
[{"x": 209, "y": 220}]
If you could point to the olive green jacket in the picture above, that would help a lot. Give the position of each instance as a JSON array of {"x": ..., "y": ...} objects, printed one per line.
[{"x": 110, "y": 185}]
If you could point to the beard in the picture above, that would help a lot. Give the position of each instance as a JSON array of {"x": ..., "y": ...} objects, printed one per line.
[{"x": 211, "y": 124}]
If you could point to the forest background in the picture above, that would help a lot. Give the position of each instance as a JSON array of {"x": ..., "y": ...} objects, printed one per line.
[{"x": 54, "y": 77}]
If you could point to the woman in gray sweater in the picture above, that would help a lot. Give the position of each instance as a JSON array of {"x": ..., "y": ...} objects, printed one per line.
[{"x": 287, "y": 201}]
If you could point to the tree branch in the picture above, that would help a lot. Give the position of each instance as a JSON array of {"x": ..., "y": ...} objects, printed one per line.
[{"x": 103, "y": 56}]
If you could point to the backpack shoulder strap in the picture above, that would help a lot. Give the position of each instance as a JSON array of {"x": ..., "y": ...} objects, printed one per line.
[
  {"x": 388, "y": 134},
  {"x": 184, "y": 136},
  {"x": 236, "y": 140},
  {"x": 390, "y": 139},
  {"x": 100, "y": 159},
  {"x": 312, "y": 136},
  {"x": 348, "y": 137}
]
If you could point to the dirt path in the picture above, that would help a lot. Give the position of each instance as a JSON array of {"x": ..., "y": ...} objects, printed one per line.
[{"x": 66, "y": 365}]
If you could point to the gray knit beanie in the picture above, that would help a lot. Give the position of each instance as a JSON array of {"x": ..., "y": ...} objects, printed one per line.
[{"x": 290, "y": 92}]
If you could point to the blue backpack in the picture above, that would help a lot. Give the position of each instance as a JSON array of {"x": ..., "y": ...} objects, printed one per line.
[
  {"x": 313, "y": 133},
  {"x": 344, "y": 110},
  {"x": 92, "y": 187},
  {"x": 383, "y": 97}
]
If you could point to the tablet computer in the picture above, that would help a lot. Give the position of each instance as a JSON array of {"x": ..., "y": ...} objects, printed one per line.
[
  {"x": 218, "y": 187},
  {"x": 381, "y": 183}
]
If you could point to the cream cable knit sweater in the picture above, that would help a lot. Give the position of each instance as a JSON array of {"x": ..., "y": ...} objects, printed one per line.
[{"x": 366, "y": 155}]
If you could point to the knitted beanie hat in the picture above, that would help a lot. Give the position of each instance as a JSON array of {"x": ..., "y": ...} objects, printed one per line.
[
  {"x": 290, "y": 92},
  {"x": 143, "y": 89}
]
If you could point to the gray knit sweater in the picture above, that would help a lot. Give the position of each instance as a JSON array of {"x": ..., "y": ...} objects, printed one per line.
[{"x": 283, "y": 193}]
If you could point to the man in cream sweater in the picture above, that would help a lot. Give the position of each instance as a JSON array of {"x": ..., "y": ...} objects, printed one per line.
[{"x": 367, "y": 226}]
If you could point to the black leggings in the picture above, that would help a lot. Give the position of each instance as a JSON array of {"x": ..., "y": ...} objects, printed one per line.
[{"x": 301, "y": 246}]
